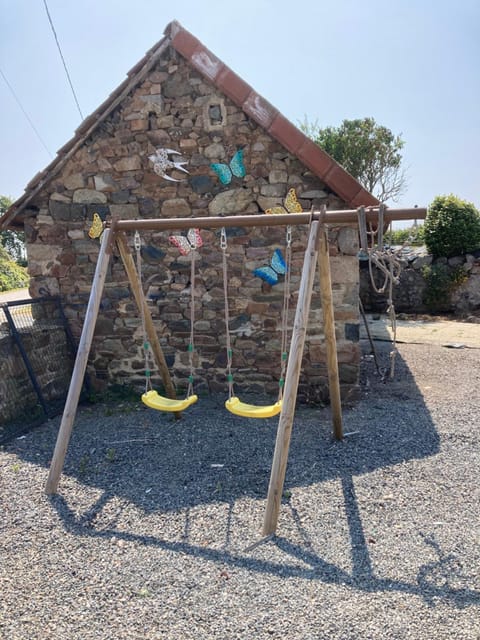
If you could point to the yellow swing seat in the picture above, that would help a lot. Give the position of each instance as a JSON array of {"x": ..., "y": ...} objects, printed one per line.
[
  {"x": 239, "y": 408},
  {"x": 155, "y": 401}
]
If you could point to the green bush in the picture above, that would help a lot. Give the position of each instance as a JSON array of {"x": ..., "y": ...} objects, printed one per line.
[
  {"x": 411, "y": 236},
  {"x": 452, "y": 227},
  {"x": 12, "y": 276},
  {"x": 441, "y": 281}
]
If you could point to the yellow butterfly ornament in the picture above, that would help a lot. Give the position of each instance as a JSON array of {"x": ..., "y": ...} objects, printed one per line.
[
  {"x": 96, "y": 229},
  {"x": 290, "y": 204}
]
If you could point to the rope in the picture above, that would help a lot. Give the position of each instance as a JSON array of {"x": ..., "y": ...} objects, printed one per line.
[
  {"x": 191, "y": 346},
  {"x": 223, "y": 247},
  {"x": 146, "y": 343},
  {"x": 388, "y": 262},
  {"x": 286, "y": 302}
]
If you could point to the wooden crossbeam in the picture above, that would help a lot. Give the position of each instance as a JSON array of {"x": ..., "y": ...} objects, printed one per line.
[{"x": 263, "y": 220}]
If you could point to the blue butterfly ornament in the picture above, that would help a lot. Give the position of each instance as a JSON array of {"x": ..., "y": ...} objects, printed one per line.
[
  {"x": 234, "y": 168},
  {"x": 270, "y": 272}
]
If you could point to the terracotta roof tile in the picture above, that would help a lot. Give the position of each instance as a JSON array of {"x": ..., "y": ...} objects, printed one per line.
[
  {"x": 314, "y": 158},
  {"x": 287, "y": 134},
  {"x": 206, "y": 62},
  {"x": 343, "y": 183},
  {"x": 185, "y": 43},
  {"x": 233, "y": 86},
  {"x": 259, "y": 110},
  {"x": 362, "y": 197},
  {"x": 267, "y": 116}
]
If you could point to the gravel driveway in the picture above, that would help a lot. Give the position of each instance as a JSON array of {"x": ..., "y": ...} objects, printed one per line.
[{"x": 151, "y": 534}]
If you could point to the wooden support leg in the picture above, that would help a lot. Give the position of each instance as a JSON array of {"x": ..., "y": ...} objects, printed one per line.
[
  {"x": 157, "y": 351},
  {"x": 329, "y": 326},
  {"x": 80, "y": 366},
  {"x": 284, "y": 431}
]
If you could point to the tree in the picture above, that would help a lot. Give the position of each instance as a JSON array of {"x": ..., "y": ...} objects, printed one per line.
[
  {"x": 452, "y": 227},
  {"x": 12, "y": 241},
  {"x": 12, "y": 275},
  {"x": 368, "y": 151}
]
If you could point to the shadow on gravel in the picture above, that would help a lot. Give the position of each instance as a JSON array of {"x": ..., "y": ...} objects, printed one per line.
[
  {"x": 159, "y": 465},
  {"x": 434, "y": 584}
]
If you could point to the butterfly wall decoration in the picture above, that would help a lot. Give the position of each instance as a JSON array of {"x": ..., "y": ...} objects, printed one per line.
[
  {"x": 270, "y": 272},
  {"x": 96, "y": 229},
  {"x": 290, "y": 204},
  {"x": 185, "y": 244},
  {"x": 235, "y": 167}
]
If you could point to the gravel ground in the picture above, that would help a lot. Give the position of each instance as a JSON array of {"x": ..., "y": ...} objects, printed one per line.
[{"x": 149, "y": 536}]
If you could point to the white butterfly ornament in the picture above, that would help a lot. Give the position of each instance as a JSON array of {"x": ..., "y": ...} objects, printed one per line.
[{"x": 185, "y": 244}]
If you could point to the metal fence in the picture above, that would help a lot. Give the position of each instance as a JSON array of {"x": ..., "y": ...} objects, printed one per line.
[{"x": 37, "y": 355}]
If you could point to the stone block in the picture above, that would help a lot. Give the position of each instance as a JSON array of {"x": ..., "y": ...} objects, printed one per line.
[
  {"x": 188, "y": 144},
  {"x": 139, "y": 124},
  {"x": 74, "y": 181},
  {"x": 273, "y": 190},
  {"x": 124, "y": 211},
  {"x": 344, "y": 269},
  {"x": 132, "y": 163},
  {"x": 59, "y": 197},
  {"x": 59, "y": 211},
  {"x": 215, "y": 151},
  {"x": 422, "y": 261},
  {"x": 87, "y": 196},
  {"x": 176, "y": 208},
  {"x": 348, "y": 243},
  {"x": 229, "y": 202},
  {"x": 104, "y": 182},
  {"x": 277, "y": 176}
]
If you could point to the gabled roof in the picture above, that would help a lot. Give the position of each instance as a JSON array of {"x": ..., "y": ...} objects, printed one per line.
[{"x": 229, "y": 83}]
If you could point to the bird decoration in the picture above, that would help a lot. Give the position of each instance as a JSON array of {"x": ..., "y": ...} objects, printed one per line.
[{"x": 163, "y": 163}]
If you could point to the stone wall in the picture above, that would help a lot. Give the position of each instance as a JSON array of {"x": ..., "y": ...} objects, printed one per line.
[
  {"x": 50, "y": 360},
  {"x": 176, "y": 108},
  {"x": 412, "y": 295}
]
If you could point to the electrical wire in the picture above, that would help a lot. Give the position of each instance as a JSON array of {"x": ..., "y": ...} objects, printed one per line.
[
  {"x": 17, "y": 100},
  {"x": 63, "y": 59}
]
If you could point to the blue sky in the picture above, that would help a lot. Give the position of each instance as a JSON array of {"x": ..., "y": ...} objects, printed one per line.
[{"x": 413, "y": 65}]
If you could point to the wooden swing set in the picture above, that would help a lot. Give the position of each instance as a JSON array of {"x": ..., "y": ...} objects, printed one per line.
[{"x": 316, "y": 255}]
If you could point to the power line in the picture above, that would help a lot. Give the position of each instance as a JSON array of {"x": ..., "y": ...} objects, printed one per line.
[
  {"x": 63, "y": 59},
  {"x": 26, "y": 114}
]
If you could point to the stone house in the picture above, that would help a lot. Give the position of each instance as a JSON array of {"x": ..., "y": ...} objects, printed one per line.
[{"x": 242, "y": 156}]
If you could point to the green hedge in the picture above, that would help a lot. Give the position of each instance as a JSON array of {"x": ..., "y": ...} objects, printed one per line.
[
  {"x": 452, "y": 227},
  {"x": 12, "y": 275}
]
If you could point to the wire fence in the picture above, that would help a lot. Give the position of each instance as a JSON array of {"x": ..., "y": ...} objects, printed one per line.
[{"x": 37, "y": 353}]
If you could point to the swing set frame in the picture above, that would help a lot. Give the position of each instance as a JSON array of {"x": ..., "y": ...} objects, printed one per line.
[{"x": 316, "y": 256}]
